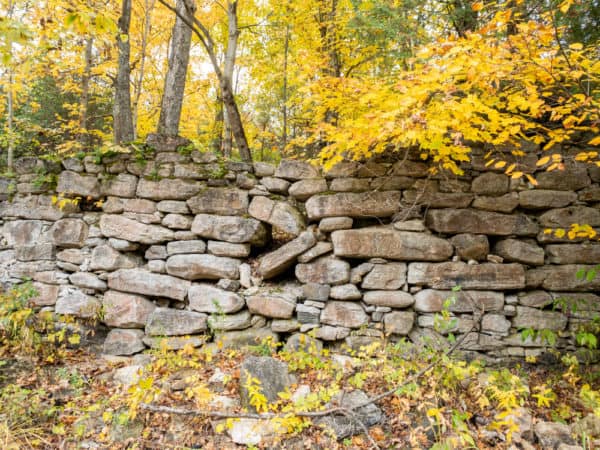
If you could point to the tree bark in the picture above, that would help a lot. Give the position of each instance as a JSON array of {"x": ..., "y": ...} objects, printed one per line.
[
  {"x": 137, "y": 87},
  {"x": 231, "y": 109},
  {"x": 172, "y": 100},
  {"x": 284, "y": 93},
  {"x": 10, "y": 151},
  {"x": 122, "y": 116},
  {"x": 85, "y": 92}
]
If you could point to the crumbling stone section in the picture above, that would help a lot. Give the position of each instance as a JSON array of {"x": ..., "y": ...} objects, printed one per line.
[{"x": 183, "y": 244}]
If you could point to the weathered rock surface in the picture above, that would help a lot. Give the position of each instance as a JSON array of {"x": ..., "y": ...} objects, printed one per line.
[
  {"x": 280, "y": 214},
  {"x": 275, "y": 305},
  {"x": 210, "y": 299},
  {"x": 324, "y": 270},
  {"x": 69, "y": 233},
  {"x": 47, "y": 294},
  {"x": 123, "y": 310},
  {"x": 483, "y": 276},
  {"x": 73, "y": 183},
  {"x": 368, "y": 204},
  {"x": 399, "y": 322},
  {"x": 390, "y": 276},
  {"x": 272, "y": 374},
  {"x": 168, "y": 189},
  {"x": 223, "y": 201},
  {"x": 232, "y": 229},
  {"x": 304, "y": 189},
  {"x": 201, "y": 266},
  {"x": 587, "y": 253},
  {"x": 219, "y": 248},
  {"x": 471, "y": 246},
  {"x": 124, "y": 342},
  {"x": 335, "y": 223},
  {"x": 104, "y": 257},
  {"x": 561, "y": 278},
  {"x": 539, "y": 320},
  {"x": 520, "y": 251},
  {"x": 490, "y": 184},
  {"x": 544, "y": 199},
  {"x": 393, "y": 299},
  {"x": 140, "y": 281},
  {"x": 123, "y": 228},
  {"x": 480, "y": 222},
  {"x": 277, "y": 261},
  {"x": 391, "y": 244},
  {"x": 73, "y": 302},
  {"x": 344, "y": 314},
  {"x": 564, "y": 217},
  {"x": 175, "y": 322},
  {"x": 296, "y": 170},
  {"x": 227, "y": 322}
]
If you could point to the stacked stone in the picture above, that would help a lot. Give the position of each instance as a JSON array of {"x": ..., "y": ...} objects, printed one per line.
[{"x": 166, "y": 248}]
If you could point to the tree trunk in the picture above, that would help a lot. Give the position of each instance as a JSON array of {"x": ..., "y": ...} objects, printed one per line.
[
  {"x": 284, "y": 93},
  {"x": 235, "y": 120},
  {"x": 10, "y": 151},
  {"x": 85, "y": 92},
  {"x": 172, "y": 100},
  {"x": 230, "y": 54},
  {"x": 137, "y": 87},
  {"x": 217, "y": 141},
  {"x": 122, "y": 117}
]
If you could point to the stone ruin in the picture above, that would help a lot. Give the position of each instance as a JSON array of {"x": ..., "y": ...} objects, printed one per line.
[{"x": 182, "y": 247}]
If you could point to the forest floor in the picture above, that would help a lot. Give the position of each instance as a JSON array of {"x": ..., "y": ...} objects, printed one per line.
[{"x": 87, "y": 400}]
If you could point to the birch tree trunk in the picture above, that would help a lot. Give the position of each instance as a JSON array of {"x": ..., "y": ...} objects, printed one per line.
[
  {"x": 172, "y": 100},
  {"x": 122, "y": 117}
]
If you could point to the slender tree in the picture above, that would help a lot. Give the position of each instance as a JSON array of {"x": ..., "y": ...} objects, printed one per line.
[
  {"x": 122, "y": 117},
  {"x": 172, "y": 99}
]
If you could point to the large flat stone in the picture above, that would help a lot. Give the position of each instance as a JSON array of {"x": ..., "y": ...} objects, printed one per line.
[
  {"x": 124, "y": 342},
  {"x": 520, "y": 251},
  {"x": 390, "y": 276},
  {"x": 539, "y": 320},
  {"x": 344, "y": 314},
  {"x": 104, "y": 257},
  {"x": 223, "y": 201},
  {"x": 296, "y": 170},
  {"x": 34, "y": 207},
  {"x": 140, "y": 281},
  {"x": 72, "y": 301},
  {"x": 564, "y": 217},
  {"x": 480, "y": 222},
  {"x": 544, "y": 199},
  {"x": 210, "y": 299},
  {"x": 232, "y": 229},
  {"x": 277, "y": 306},
  {"x": 280, "y": 214},
  {"x": 175, "y": 322},
  {"x": 122, "y": 185},
  {"x": 304, "y": 189},
  {"x": 201, "y": 266},
  {"x": 277, "y": 261},
  {"x": 324, "y": 270},
  {"x": 122, "y": 310},
  {"x": 438, "y": 199},
  {"x": 69, "y": 233},
  {"x": 393, "y": 299},
  {"x": 482, "y": 276},
  {"x": 572, "y": 178},
  {"x": 587, "y": 253},
  {"x": 73, "y": 183},
  {"x": 391, "y": 244},
  {"x": 562, "y": 278},
  {"x": 432, "y": 300},
  {"x": 131, "y": 230},
  {"x": 168, "y": 189},
  {"x": 367, "y": 204},
  {"x": 399, "y": 322},
  {"x": 226, "y": 322}
]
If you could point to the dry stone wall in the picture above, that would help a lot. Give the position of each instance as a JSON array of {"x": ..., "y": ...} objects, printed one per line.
[{"x": 182, "y": 244}]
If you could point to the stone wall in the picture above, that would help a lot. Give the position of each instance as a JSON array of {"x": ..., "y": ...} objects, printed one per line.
[{"x": 182, "y": 244}]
